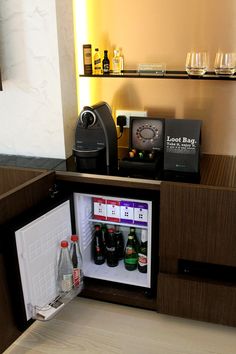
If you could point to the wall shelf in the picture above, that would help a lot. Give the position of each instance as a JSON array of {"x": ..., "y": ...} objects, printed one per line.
[{"x": 168, "y": 75}]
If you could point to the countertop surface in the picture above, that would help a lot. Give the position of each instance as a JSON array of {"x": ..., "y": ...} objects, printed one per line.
[
  {"x": 215, "y": 170},
  {"x": 32, "y": 162}
]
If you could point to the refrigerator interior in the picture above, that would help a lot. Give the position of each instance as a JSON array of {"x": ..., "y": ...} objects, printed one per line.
[{"x": 112, "y": 211}]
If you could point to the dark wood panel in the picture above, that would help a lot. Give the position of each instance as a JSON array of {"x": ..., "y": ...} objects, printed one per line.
[
  {"x": 126, "y": 182},
  {"x": 197, "y": 299},
  {"x": 25, "y": 196},
  {"x": 218, "y": 170},
  {"x": 8, "y": 330},
  {"x": 197, "y": 223},
  {"x": 12, "y": 177},
  {"x": 120, "y": 294}
]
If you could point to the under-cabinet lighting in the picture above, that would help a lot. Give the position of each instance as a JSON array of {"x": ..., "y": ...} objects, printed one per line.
[{"x": 81, "y": 37}]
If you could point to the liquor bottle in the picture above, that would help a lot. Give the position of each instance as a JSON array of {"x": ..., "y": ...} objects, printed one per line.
[
  {"x": 65, "y": 269},
  {"x": 106, "y": 63},
  {"x": 142, "y": 255},
  {"x": 131, "y": 254},
  {"x": 98, "y": 246},
  {"x": 121, "y": 61},
  {"x": 119, "y": 243},
  {"x": 87, "y": 57},
  {"x": 111, "y": 251},
  {"x": 77, "y": 262},
  {"x": 97, "y": 63},
  {"x": 117, "y": 62}
]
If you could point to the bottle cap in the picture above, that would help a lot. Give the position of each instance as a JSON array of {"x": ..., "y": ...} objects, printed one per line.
[
  {"x": 111, "y": 230},
  {"x": 97, "y": 227},
  {"x": 64, "y": 244},
  {"x": 74, "y": 238}
]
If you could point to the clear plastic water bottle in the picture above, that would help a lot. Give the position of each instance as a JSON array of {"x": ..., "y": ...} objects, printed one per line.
[
  {"x": 77, "y": 263},
  {"x": 65, "y": 269}
]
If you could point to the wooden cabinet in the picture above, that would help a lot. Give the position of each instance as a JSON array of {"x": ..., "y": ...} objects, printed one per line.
[
  {"x": 194, "y": 232},
  {"x": 197, "y": 277}
]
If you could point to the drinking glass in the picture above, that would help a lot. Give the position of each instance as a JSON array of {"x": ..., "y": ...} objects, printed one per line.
[
  {"x": 225, "y": 64},
  {"x": 196, "y": 63}
]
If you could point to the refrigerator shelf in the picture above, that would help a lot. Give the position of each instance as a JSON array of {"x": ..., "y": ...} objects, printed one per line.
[
  {"x": 117, "y": 274},
  {"x": 48, "y": 311},
  {"x": 109, "y": 222}
]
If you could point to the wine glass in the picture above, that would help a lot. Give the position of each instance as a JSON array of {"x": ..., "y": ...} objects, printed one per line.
[
  {"x": 196, "y": 63},
  {"x": 225, "y": 63}
]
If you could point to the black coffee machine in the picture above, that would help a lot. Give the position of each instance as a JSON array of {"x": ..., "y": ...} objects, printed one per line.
[{"x": 95, "y": 149}]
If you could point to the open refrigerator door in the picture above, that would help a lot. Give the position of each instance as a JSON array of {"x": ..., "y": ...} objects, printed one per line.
[{"x": 38, "y": 251}]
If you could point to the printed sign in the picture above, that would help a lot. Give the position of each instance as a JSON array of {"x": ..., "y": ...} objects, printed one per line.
[{"x": 182, "y": 145}]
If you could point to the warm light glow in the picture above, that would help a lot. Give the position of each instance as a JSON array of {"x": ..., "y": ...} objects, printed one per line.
[{"x": 81, "y": 37}]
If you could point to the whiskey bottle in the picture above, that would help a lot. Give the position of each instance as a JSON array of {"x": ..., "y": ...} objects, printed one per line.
[
  {"x": 106, "y": 63},
  {"x": 97, "y": 63}
]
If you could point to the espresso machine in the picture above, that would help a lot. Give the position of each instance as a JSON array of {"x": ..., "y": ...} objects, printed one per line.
[{"x": 95, "y": 149}]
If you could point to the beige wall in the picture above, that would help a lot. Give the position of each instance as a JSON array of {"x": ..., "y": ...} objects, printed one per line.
[
  {"x": 38, "y": 104},
  {"x": 164, "y": 31}
]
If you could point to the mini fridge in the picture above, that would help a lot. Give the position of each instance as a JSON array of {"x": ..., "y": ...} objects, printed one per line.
[{"x": 37, "y": 247}]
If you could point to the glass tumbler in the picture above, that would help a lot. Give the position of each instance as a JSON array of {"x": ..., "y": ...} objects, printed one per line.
[
  {"x": 196, "y": 63},
  {"x": 225, "y": 64}
]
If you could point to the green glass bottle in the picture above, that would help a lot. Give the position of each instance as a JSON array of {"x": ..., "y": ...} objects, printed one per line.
[{"x": 131, "y": 252}]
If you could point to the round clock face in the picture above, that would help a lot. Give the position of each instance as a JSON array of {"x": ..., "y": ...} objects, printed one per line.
[{"x": 147, "y": 134}]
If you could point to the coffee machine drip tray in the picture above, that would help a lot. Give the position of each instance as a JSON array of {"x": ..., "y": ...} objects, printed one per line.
[{"x": 92, "y": 160}]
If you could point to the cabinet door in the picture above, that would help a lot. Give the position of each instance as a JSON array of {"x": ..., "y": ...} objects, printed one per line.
[
  {"x": 197, "y": 223},
  {"x": 8, "y": 329}
]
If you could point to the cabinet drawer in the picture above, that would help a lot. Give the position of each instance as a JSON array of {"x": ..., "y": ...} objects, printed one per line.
[
  {"x": 198, "y": 223},
  {"x": 197, "y": 299}
]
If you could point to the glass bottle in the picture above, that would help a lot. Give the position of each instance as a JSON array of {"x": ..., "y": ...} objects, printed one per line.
[
  {"x": 121, "y": 61},
  {"x": 142, "y": 255},
  {"x": 65, "y": 269},
  {"x": 104, "y": 236},
  {"x": 106, "y": 63},
  {"x": 119, "y": 243},
  {"x": 117, "y": 62},
  {"x": 131, "y": 254},
  {"x": 111, "y": 251},
  {"x": 136, "y": 241},
  {"x": 98, "y": 246},
  {"x": 77, "y": 262},
  {"x": 87, "y": 57},
  {"x": 97, "y": 63}
]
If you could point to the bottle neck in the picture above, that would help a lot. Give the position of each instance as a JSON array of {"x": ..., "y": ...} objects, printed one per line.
[{"x": 74, "y": 255}]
